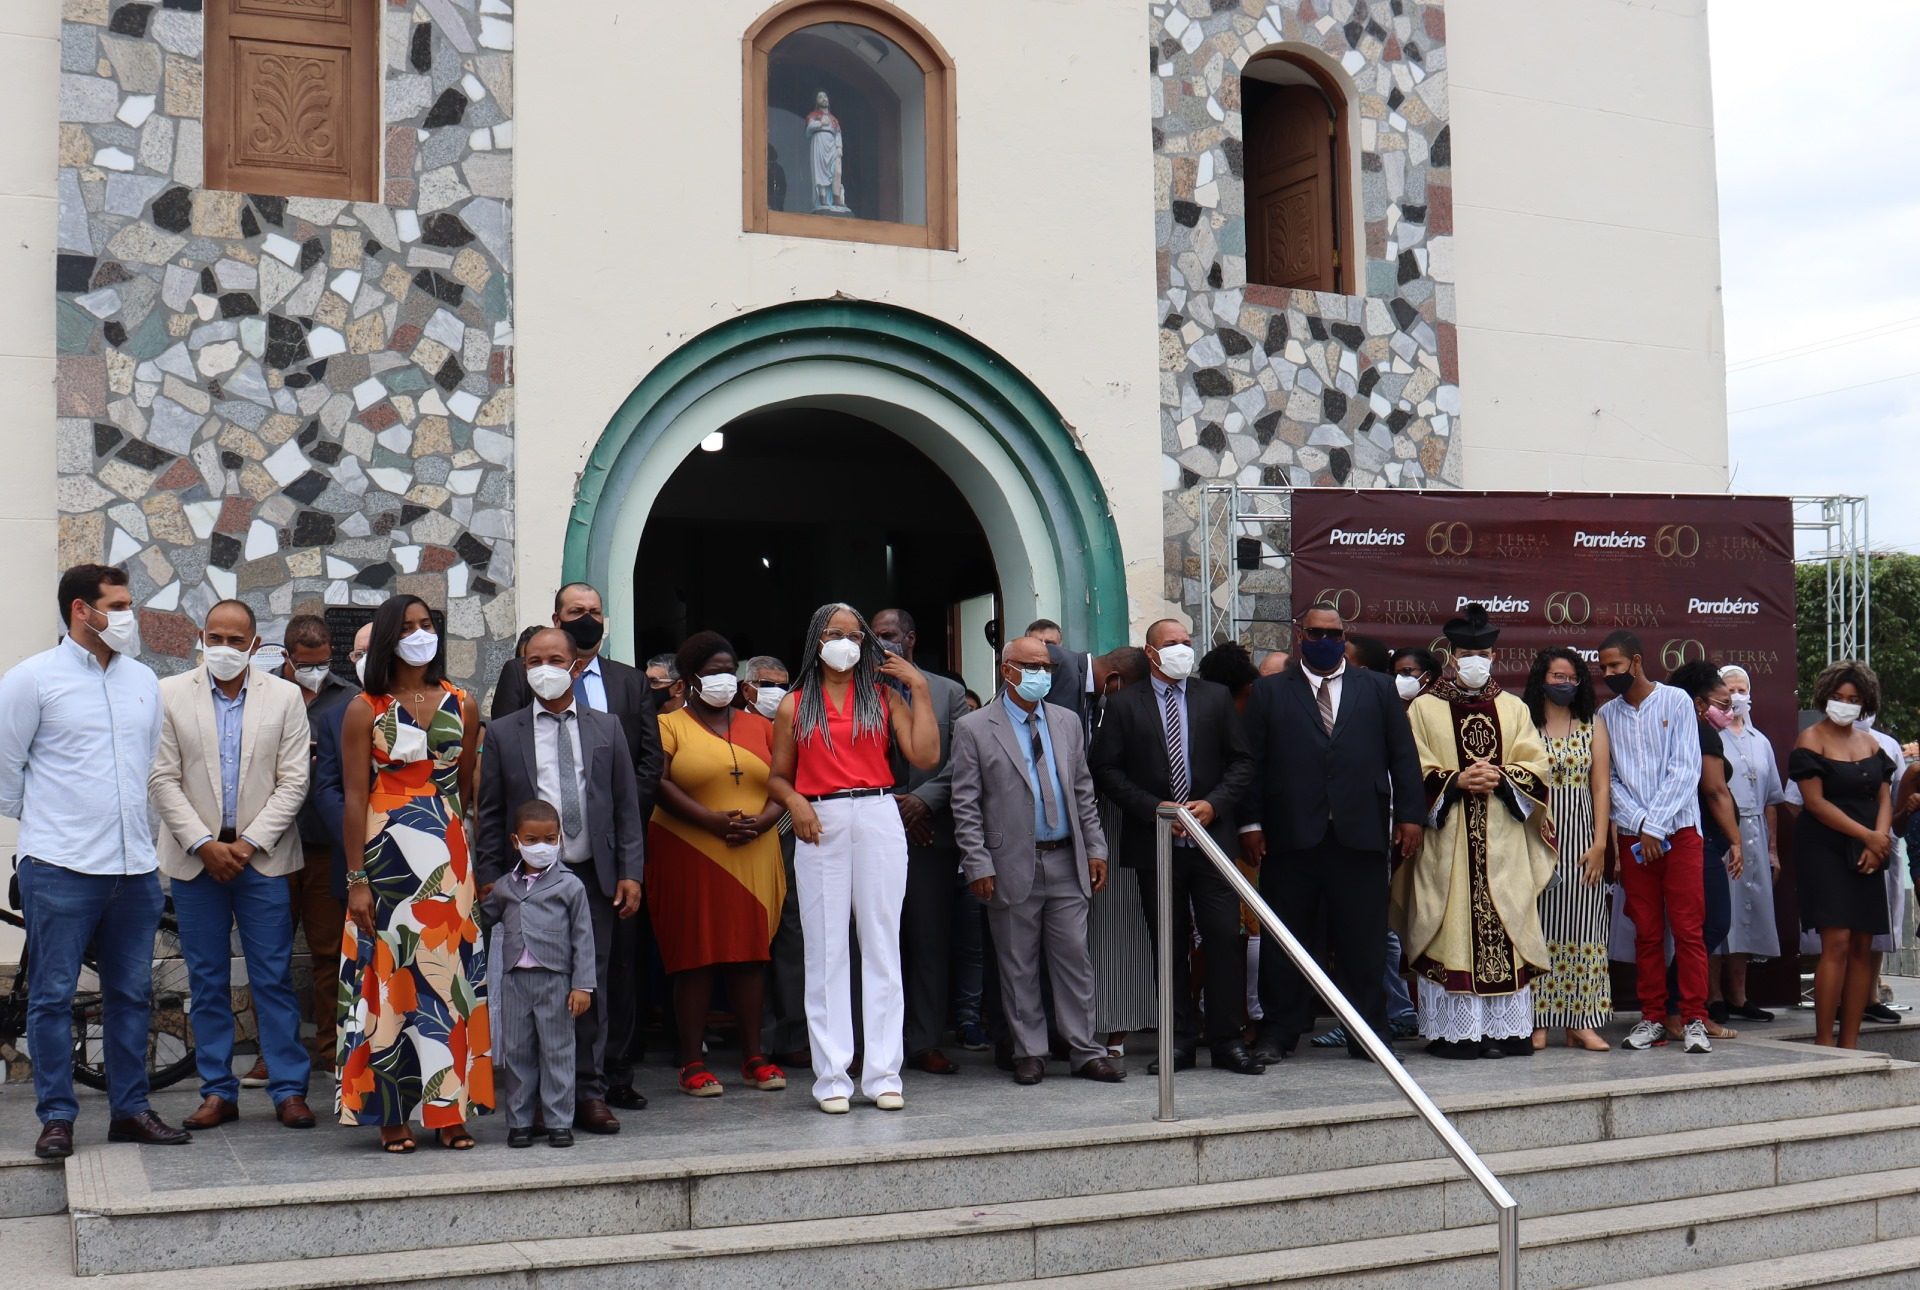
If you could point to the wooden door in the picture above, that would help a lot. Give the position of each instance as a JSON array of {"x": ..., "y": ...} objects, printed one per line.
[{"x": 1291, "y": 197}]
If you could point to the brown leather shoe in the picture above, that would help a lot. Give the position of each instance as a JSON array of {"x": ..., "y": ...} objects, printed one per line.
[
  {"x": 56, "y": 1140},
  {"x": 595, "y": 1116},
  {"x": 213, "y": 1113},
  {"x": 149, "y": 1130},
  {"x": 933, "y": 1062},
  {"x": 294, "y": 1113},
  {"x": 1028, "y": 1070},
  {"x": 1102, "y": 1070}
]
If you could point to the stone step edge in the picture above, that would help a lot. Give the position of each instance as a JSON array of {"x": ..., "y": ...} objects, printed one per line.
[
  {"x": 111, "y": 1183},
  {"x": 1794, "y": 1272},
  {"x": 825, "y": 1234}
]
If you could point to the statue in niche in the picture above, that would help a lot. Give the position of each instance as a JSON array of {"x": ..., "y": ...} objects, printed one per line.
[{"x": 823, "y": 142}]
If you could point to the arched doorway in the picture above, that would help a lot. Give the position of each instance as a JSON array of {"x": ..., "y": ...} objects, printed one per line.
[{"x": 1040, "y": 508}]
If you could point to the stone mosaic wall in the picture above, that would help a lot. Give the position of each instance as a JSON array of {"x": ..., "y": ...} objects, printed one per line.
[
  {"x": 1261, "y": 385},
  {"x": 294, "y": 401}
]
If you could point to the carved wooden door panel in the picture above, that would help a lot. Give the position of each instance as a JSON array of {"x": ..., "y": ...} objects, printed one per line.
[
  {"x": 293, "y": 97},
  {"x": 1290, "y": 188}
]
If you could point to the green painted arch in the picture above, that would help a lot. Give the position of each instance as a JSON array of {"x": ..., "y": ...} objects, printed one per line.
[{"x": 888, "y": 360}]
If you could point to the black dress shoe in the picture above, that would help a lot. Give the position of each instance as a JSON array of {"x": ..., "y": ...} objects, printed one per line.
[
  {"x": 1184, "y": 1059},
  {"x": 56, "y": 1140},
  {"x": 1273, "y": 1049},
  {"x": 1747, "y": 1012},
  {"x": 1101, "y": 1070},
  {"x": 1234, "y": 1056},
  {"x": 1491, "y": 1048},
  {"x": 149, "y": 1130},
  {"x": 1519, "y": 1046},
  {"x": 519, "y": 1137},
  {"x": 1029, "y": 1070},
  {"x": 627, "y": 1097},
  {"x": 1463, "y": 1051},
  {"x": 1003, "y": 1056},
  {"x": 560, "y": 1137}
]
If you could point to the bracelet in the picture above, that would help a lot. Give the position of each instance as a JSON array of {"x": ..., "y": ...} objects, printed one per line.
[{"x": 358, "y": 878}]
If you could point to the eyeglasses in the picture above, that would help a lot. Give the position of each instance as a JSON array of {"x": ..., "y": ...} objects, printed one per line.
[
  {"x": 858, "y": 638},
  {"x": 1324, "y": 633}
]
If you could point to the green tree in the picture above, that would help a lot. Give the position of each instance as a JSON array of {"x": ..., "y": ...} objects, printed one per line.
[{"x": 1895, "y": 581}]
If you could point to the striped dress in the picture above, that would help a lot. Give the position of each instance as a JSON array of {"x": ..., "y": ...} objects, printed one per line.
[{"x": 1577, "y": 992}]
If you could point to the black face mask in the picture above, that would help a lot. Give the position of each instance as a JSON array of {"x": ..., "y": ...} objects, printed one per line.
[
  {"x": 585, "y": 631},
  {"x": 1563, "y": 693},
  {"x": 1619, "y": 682}
]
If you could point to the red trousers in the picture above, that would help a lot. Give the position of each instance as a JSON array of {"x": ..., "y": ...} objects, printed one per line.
[{"x": 1663, "y": 893}]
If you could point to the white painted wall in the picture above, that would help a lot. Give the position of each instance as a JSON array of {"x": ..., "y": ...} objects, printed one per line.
[
  {"x": 1587, "y": 245},
  {"x": 628, "y": 231},
  {"x": 29, "y": 151}
]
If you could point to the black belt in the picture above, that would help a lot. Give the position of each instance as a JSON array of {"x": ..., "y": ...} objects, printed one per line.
[
  {"x": 845, "y": 793},
  {"x": 1054, "y": 845},
  {"x": 228, "y": 835}
]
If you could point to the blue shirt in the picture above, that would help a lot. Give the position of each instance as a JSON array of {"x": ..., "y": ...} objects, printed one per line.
[
  {"x": 1023, "y": 727},
  {"x": 76, "y": 744},
  {"x": 590, "y": 688},
  {"x": 1656, "y": 763},
  {"x": 229, "y": 715}
]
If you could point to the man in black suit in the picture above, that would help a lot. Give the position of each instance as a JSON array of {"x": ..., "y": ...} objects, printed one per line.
[
  {"x": 576, "y": 759},
  {"x": 1336, "y": 762},
  {"x": 603, "y": 684},
  {"x": 1177, "y": 739}
]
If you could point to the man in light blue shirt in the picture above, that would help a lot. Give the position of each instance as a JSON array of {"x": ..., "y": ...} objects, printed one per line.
[{"x": 79, "y": 726}]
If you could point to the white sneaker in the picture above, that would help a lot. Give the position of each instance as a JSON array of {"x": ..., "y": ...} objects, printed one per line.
[
  {"x": 890, "y": 1102},
  {"x": 1696, "y": 1040},
  {"x": 835, "y": 1105},
  {"x": 1648, "y": 1034}
]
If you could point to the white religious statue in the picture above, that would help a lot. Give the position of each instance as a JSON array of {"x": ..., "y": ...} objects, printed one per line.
[{"x": 823, "y": 142}]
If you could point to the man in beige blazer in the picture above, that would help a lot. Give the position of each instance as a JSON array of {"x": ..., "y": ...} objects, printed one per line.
[
  {"x": 1028, "y": 826},
  {"x": 226, "y": 787}
]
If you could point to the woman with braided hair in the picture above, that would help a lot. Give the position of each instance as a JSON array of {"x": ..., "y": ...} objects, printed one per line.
[{"x": 831, "y": 770}]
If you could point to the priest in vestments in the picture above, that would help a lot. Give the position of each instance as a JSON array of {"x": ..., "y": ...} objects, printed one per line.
[{"x": 1466, "y": 907}]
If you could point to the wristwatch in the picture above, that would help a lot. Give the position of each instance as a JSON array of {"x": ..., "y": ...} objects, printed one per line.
[{"x": 358, "y": 878}]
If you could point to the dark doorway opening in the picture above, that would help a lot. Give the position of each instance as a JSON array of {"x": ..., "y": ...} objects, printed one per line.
[{"x": 800, "y": 506}]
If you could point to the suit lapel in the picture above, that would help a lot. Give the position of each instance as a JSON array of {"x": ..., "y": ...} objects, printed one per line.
[
  {"x": 1002, "y": 723},
  {"x": 252, "y": 713},
  {"x": 528, "y": 749},
  {"x": 1150, "y": 701},
  {"x": 1348, "y": 692},
  {"x": 209, "y": 731},
  {"x": 1303, "y": 688}
]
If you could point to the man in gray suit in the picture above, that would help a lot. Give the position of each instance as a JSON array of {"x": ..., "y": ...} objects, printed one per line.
[
  {"x": 1028, "y": 826},
  {"x": 578, "y": 759},
  {"x": 933, "y": 861}
]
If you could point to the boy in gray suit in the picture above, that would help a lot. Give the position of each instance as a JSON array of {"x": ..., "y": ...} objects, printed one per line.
[{"x": 542, "y": 970}]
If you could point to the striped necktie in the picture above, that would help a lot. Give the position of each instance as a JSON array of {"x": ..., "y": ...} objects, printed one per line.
[{"x": 1177, "y": 784}]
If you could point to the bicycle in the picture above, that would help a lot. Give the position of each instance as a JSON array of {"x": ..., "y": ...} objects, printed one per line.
[{"x": 169, "y": 1037}]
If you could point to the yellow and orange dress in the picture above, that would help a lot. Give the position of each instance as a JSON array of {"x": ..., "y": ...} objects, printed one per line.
[
  {"x": 413, "y": 1028},
  {"x": 712, "y": 903}
]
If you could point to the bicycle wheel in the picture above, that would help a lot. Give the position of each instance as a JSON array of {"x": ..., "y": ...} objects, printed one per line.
[{"x": 169, "y": 1049}]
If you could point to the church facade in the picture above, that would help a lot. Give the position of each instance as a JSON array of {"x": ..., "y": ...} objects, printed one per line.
[{"x": 316, "y": 301}]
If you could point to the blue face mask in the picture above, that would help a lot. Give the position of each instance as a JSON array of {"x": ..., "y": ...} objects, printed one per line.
[
  {"x": 1323, "y": 656},
  {"x": 1034, "y": 684}
]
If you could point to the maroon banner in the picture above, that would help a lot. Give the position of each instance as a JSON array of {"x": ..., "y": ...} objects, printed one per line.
[{"x": 1705, "y": 576}]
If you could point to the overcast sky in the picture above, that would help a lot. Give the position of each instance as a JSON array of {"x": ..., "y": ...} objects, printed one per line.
[{"x": 1820, "y": 243}]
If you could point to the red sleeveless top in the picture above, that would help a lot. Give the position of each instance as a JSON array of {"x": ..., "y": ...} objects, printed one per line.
[{"x": 849, "y": 762}]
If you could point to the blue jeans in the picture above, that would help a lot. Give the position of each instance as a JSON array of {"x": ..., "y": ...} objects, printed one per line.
[
  {"x": 264, "y": 911},
  {"x": 118, "y": 914},
  {"x": 1399, "y": 1004},
  {"x": 969, "y": 964}
]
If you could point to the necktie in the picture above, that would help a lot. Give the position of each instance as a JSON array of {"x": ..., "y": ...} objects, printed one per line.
[
  {"x": 1326, "y": 704},
  {"x": 580, "y": 690},
  {"x": 570, "y": 821},
  {"x": 1049, "y": 808},
  {"x": 1177, "y": 786}
]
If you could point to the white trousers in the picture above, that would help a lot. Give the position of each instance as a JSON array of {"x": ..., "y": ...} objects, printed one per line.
[{"x": 856, "y": 873}]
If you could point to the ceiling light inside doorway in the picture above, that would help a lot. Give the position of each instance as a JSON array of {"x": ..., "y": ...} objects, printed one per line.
[
  {"x": 713, "y": 442},
  {"x": 765, "y": 563}
]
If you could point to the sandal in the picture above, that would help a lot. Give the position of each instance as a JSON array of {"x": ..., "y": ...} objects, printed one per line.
[
  {"x": 763, "y": 1074},
  {"x": 697, "y": 1081},
  {"x": 460, "y": 1141},
  {"x": 402, "y": 1146}
]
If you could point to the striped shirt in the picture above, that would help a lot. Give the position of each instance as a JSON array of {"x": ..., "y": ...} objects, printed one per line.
[{"x": 1656, "y": 763}]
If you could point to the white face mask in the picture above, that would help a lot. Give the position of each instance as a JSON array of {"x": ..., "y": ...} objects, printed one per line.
[
  {"x": 1474, "y": 671},
  {"x": 539, "y": 855},
  {"x": 311, "y": 678},
  {"x": 718, "y": 691},
  {"x": 548, "y": 681},
  {"x": 766, "y": 700},
  {"x": 224, "y": 661},
  {"x": 418, "y": 647},
  {"x": 360, "y": 669},
  {"x": 1176, "y": 661},
  {"x": 840, "y": 655},
  {"x": 1842, "y": 714},
  {"x": 1742, "y": 704},
  {"x": 1408, "y": 686},
  {"x": 122, "y": 632}
]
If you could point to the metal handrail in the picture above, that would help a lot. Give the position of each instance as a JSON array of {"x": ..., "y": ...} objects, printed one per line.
[{"x": 1506, "y": 1208}]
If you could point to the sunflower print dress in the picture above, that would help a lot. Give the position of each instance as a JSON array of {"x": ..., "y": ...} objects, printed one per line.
[{"x": 413, "y": 1004}]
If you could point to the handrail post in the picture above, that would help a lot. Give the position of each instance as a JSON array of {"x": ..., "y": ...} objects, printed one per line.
[
  {"x": 1163, "y": 938},
  {"x": 1509, "y": 1218}
]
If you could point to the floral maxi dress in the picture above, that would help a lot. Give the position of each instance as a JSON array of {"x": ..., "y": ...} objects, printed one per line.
[
  {"x": 1577, "y": 994},
  {"x": 413, "y": 1001}
]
